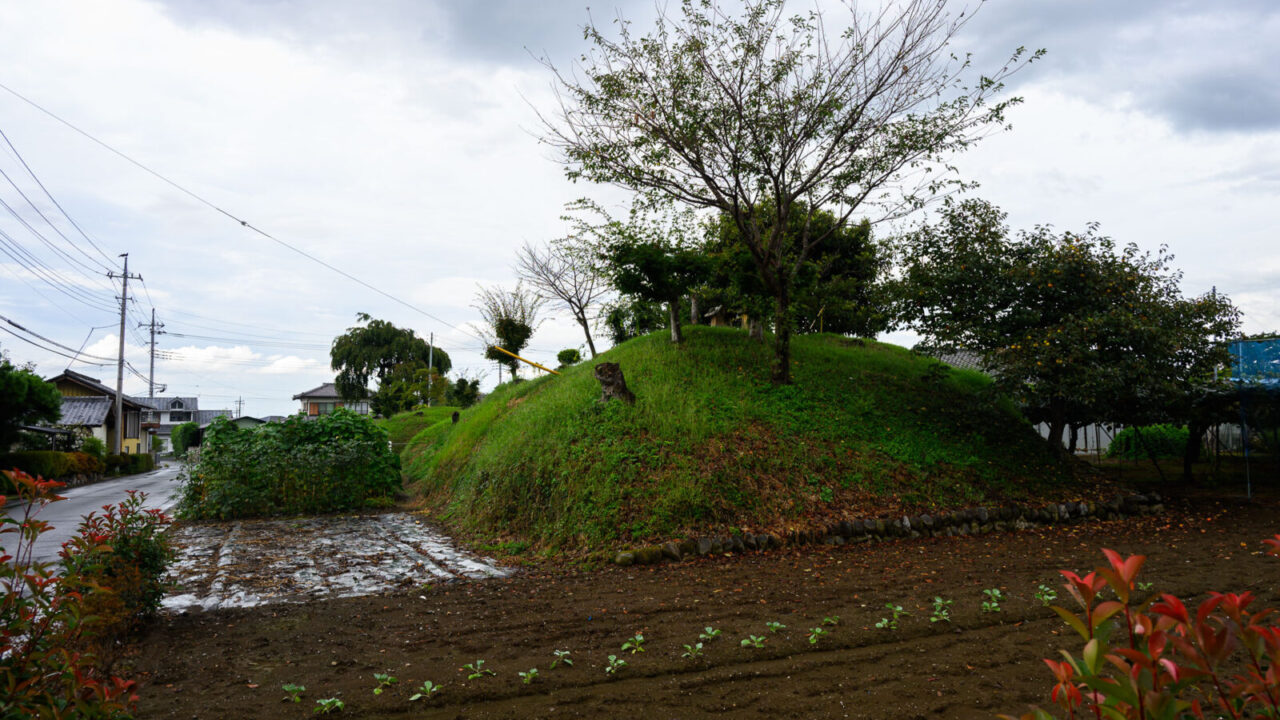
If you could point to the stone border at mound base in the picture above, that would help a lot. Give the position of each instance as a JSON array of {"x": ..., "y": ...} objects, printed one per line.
[{"x": 970, "y": 521}]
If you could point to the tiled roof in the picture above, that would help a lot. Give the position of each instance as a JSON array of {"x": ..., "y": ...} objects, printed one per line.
[
  {"x": 204, "y": 417},
  {"x": 88, "y": 411},
  {"x": 165, "y": 403},
  {"x": 93, "y": 385},
  {"x": 324, "y": 392}
]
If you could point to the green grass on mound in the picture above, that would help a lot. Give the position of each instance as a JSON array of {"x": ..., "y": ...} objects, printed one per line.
[
  {"x": 710, "y": 445},
  {"x": 403, "y": 426}
]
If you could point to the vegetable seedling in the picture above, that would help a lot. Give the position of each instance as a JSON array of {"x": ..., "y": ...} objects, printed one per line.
[
  {"x": 295, "y": 692},
  {"x": 562, "y": 656},
  {"x": 1046, "y": 594},
  {"x": 941, "y": 610},
  {"x": 992, "y": 603},
  {"x": 832, "y": 620},
  {"x": 775, "y": 626},
  {"x": 1145, "y": 586},
  {"x": 427, "y": 689},
  {"x": 615, "y": 664},
  {"x": 709, "y": 633},
  {"x": 815, "y": 633},
  {"x": 635, "y": 644},
  {"x": 528, "y": 677},
  {"x": 692, "y": 651},
  {"x": 753, "y": 641},
  {"x": 891, "y": 623},
  {"x": 477, "y": 670},
  {"x": 384, "y": 681},
  {"x": 329, "y": 705}
]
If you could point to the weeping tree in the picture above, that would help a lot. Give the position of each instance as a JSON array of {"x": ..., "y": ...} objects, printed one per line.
[
  {"x": 762, "y": 115},
  {"x": 373, "y": 351},
  {"x": 511, "y": 317},
  {"x": 564, "y": 273}
]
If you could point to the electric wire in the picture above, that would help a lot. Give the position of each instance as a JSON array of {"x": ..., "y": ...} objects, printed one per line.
[
  {"x": 74, "y": 224},
  {"x": 53, "y": 342},
  {"x": 9, "y": 247},
  {"x": 56, "y": 229},
  {"x": 55, "y": 352},
  {"x": 243, "y": 223}
]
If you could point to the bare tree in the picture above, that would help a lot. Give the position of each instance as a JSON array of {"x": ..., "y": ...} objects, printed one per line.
[
  {"x": 766, "y": 115},
  {"x": 565, "y": 275},
  {"x": 511, "y": 317}
]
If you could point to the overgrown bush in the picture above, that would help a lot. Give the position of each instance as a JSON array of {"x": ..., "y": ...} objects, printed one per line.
[
  {"x": 1164, "y": 441},
  {"x": 323, "y": 464},
  {"x": 1220, "y": 661},
  {"x": 140, "y": 463},
  {"x": 43, "y": 463},
  {"x": 45, "y": 670}
]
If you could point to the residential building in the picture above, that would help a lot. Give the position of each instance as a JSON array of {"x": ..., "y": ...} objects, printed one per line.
[
  {"x": 88, "y": 404},
  {"x": 324, "y": 400}
]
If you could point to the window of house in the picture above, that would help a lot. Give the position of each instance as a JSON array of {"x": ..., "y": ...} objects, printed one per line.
[
  {"x": 176, "y": 405},
  {"x": 180, "y": 416}
]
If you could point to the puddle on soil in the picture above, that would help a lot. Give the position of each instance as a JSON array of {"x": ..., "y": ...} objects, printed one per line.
[{"x": 256, "y": 562}]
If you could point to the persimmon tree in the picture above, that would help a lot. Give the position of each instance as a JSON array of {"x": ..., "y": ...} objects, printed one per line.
[{"x": 765, "y": 114}]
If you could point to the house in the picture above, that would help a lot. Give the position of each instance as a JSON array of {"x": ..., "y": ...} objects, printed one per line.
[
  {"x": 324, "y": 400},
  {"x": 169, "y": 412},
  {"x": 89, "y": 405}
]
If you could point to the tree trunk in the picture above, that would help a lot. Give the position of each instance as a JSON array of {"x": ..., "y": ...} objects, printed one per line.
[
  {"x": 1195, "y": 432},
  {"x": 755, "y": 329},
  {"x": 693, "y": 309},
  {"x": 673, "y": 318},
  {"x": 1057, "y": 424},
  {"x": 782, "y": 338},
  {"x": 1075, "y": 436},
  {"x": 586, "y": 330}
]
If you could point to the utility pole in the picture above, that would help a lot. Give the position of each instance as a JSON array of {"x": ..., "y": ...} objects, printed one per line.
[
  {"x": 156, "y": 329},
  {"x": 431, "y": 351},
  {"x": 118, "y": 443},
  {"x": 239, "y": 406}
]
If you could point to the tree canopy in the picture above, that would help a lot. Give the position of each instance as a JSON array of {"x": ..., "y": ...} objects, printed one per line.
[
  {"x": 757, "y": 115},
  {"x": 25, "y": 399},
  {"x": 373, "y": 350},
  {"x": 1077, "y": 329},
  {"x": 511, "y": 317}
]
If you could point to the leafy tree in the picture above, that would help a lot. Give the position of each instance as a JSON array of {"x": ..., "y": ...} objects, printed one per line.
[
  {"x": 1079, "y": 331},
  {"x": 463, "y": 393},
  {"x": 183, "y": 436},
  {"x": 564, "y": 273},
  {"x": 373, "y": 351},
  {"x": 654, "y": 256},
  {"x": 512, "y": 318},
  {"x": 407, "y": 386},
  {"x": 568, "y": 356},
  {"x": 837, "y": 289},
  {"x": 631, "y": 317},
  {"x": 761, "y": 115},
  {"x": 25, "y": 399}
]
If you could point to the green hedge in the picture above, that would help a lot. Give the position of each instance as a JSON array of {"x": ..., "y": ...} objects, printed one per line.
[
  {"x": 1164, "y": 441},
  {"x": 324, "y": 464},
  {"x": 48, "y": 464}
]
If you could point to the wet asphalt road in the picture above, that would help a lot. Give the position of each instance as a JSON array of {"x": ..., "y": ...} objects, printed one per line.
[{"x": 160, "y": 485}]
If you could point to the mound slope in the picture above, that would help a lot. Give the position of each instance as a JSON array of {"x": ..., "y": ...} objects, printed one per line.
[{"x": 866, "y": 429}]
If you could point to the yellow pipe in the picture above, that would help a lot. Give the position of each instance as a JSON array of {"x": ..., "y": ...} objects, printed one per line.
[{"x": 540, "y": 367}]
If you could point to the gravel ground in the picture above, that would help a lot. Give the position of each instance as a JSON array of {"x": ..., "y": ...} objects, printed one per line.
[{"x": 255, "y": 562}]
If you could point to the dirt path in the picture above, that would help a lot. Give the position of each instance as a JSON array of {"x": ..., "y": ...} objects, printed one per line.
[{"x": 231, "y": 663}]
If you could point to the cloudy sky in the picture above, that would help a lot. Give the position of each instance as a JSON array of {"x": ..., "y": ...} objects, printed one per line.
[{"x": 396, "y": 141}]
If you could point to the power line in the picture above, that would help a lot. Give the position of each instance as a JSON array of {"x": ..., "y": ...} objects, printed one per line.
[
  {"x": 48, "y": 222},
  {"x": 56, "y": 204},
  {"x": 243, "y": 223},
  {"x": 56, "y": 352},
  {"x": 10, "y": 246},
  {"x": 54, "y": 342}
]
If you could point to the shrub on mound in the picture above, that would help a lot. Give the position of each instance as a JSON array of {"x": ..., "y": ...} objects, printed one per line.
[
  {"x": 302, "y": 465},
  {"x": 711, "y": 445},
  {"x": 1163, "y": 441}
]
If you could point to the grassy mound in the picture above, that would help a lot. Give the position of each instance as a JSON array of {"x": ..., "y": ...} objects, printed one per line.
[
  {"x": 403, "y": 426},
  {"x": 710, "y": 445}
]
